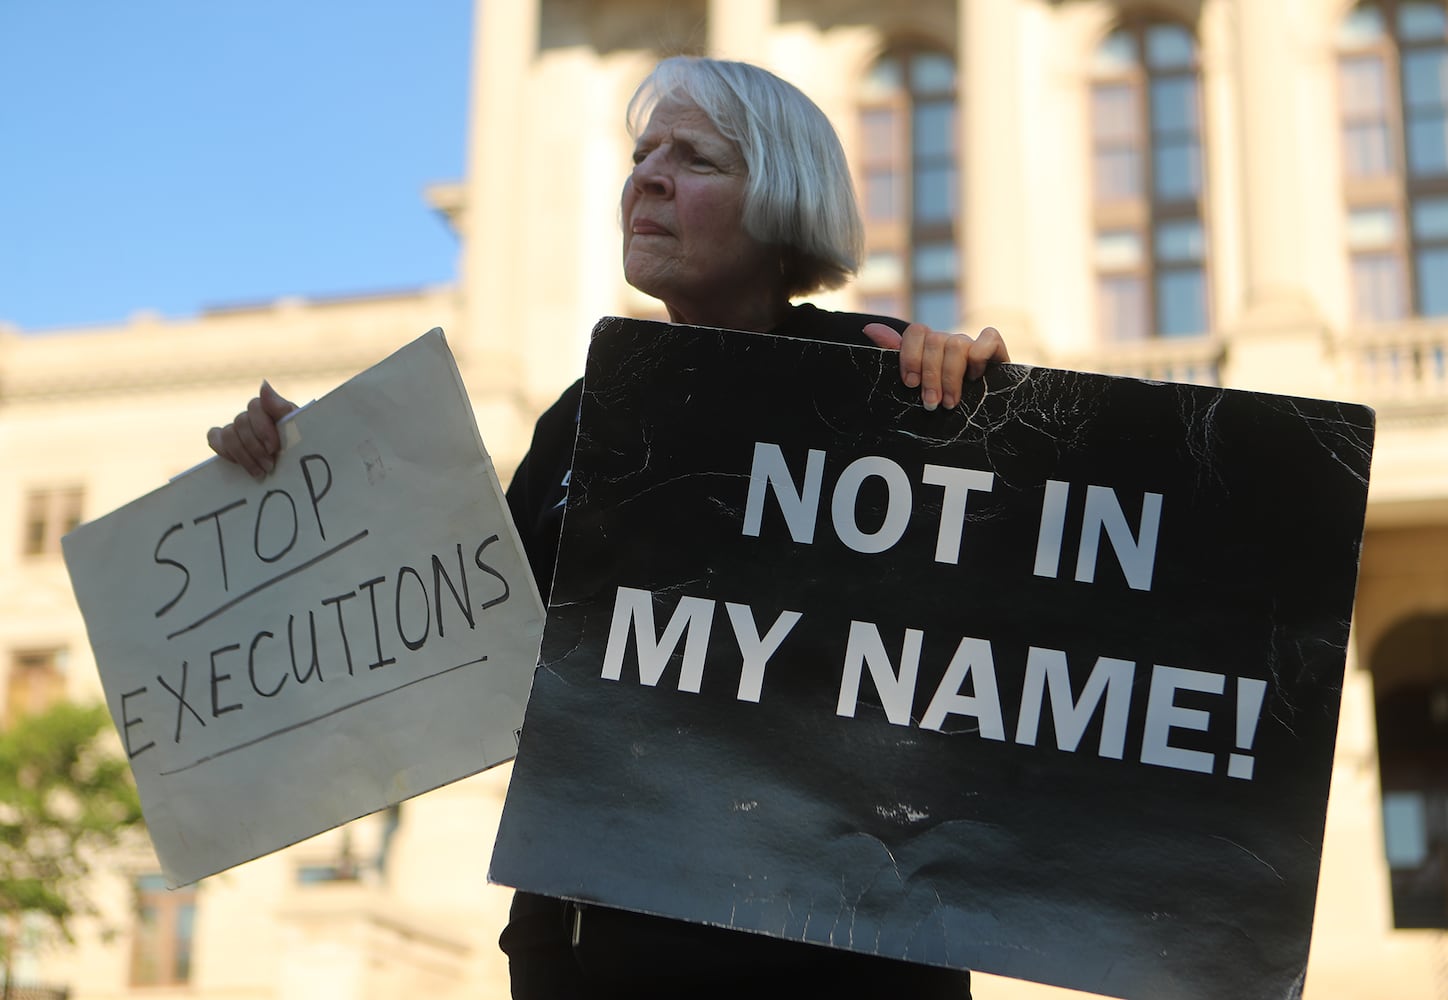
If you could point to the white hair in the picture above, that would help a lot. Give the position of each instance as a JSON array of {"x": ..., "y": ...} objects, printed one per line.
[{"x": 799, "y": 194}]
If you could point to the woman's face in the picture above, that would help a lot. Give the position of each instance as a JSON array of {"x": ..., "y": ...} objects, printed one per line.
[{"x": 683, "y": 232}]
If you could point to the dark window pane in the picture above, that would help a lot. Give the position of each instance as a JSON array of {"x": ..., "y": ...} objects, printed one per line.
[
  {"x": 937, "y": 309},
  {"x": 1150, "y": 279},
  {"x": 1420, "y": 892},
  {"x": 1169, "y": 46},
  {"x": 1419, "y": 20},
  {"x": 1118, "y": 174},
  {"x": 1433, "y": 282},
  {"x": 1174, "y": 106},
  {"x": 932, "y": 73},
  {"x": 1377, "y": 281},
  {"x": 1430, "y": 219},
  {"x": 935, "y": 263},
  {"x": 935, "y": 194},
  {"x": 1180, "y": 241},
  {"x": 913, "y": 128},
  {"x": 1123, "y": 307},
  {"x": 1428, "y": 146},
  {"x": 1412, "y": 725},
  {"x": 934, "y": 126},
  {"x": 1425, "y": 79},
  {"x": 1176, "y": 170},
  {"x": 1405, "y": 829},
  {"x": 1181, "y": 303}
]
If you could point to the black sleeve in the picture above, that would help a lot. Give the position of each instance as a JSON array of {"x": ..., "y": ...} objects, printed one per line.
[
  {"x": 539, "y": 489},
  {"x": 809, "y": 322}
]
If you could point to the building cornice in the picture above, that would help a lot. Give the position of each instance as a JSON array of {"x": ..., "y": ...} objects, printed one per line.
[{"x": 286, "y": 340}]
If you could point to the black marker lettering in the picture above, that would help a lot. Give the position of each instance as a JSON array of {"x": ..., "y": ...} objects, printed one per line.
[
  {"x": 316, "y": 667},
  {"x": 397, "y": 609},
  {"x": 251, "y": 667},
  {"x": 478, "y": 558},
  {"x": 156, "y": 555},
  {"x": 216, "y": 679},
  {"x": 464, "y": 602},
  {"x": 342, "y": 625},
  {"x": 220, "y": 541},
  {"x": 128, "y": 722},
  {"x": 181, "y": 701},
  {"x": 312, "y": 493},
  {"x": 256, "y": 533},
  {"x": 371, "y": 587}
]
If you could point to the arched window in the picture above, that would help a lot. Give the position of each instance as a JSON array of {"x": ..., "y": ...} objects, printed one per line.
[
  {"x": 1393, "y": 82},
  {"x": 1410, "y": 675},
  {"x": 1151, "y": 273},
  {"x": 910, "y": 196}
]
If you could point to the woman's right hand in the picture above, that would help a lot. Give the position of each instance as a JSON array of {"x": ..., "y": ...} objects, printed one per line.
[
  {"x": 939, "y": 363},
  {"x": 252, "y": 440}
]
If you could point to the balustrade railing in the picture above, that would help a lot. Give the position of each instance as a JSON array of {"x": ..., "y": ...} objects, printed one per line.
[
  {"x": 18, "y": 991},
  {"x": 1197, "y": 360},
  {"x": 1404, "y": 365},
  {"x": 1400, "y": 368}
]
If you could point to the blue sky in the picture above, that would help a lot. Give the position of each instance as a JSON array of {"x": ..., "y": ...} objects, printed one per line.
[{"x": 168, "y": 155}]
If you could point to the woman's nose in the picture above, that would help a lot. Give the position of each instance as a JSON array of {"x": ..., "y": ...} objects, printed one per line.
[{"x": 651, "y": 175}]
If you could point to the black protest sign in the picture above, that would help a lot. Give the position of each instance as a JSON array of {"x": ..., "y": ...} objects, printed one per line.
[{"x": 1044, "y": 686}]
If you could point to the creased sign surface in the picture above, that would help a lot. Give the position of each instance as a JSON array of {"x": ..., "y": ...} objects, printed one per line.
[
  {"x": 1045, "y": 686},
  {"x": 282, "y": 657}
]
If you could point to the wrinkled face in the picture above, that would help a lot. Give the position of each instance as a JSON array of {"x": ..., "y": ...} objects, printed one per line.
[{"x": 683, "y": 208}]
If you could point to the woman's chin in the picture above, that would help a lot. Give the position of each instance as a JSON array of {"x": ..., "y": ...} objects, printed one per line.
[{"x": 647, "y": 280}]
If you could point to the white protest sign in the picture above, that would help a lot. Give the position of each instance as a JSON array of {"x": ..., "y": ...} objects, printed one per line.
[{"x": 283, "y": 656}]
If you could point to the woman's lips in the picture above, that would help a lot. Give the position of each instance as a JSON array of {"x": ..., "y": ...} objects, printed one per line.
[{"x": 647, "y": 227}]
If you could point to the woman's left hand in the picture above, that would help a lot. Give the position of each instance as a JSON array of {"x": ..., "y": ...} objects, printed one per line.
[{"x": 939, "y": 363}]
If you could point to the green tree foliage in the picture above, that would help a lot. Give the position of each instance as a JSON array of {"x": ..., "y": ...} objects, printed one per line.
[{"x": 64, "y": 797}]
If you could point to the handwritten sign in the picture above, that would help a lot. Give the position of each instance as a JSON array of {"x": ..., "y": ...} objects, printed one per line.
[
  {"x": 1044, "y": 686},
  {"x": 281, "y": 657}
]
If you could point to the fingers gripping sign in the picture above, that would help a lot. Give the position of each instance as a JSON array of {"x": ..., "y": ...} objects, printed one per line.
[
  {"x": 939, "y": 363},
  {"x": 252, "y": 440}
]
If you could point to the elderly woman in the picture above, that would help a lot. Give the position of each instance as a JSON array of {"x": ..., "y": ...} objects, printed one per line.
[{"x": 739, "y": 201}]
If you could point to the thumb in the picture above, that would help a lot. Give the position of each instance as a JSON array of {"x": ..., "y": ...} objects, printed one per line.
[
  {"x": 272, "y": 402},
  {"x": 883, "y": 336}
]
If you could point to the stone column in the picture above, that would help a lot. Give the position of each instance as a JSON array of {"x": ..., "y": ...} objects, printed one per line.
[
  {"x": 505, "y": 45},
  {"x": 741, "y": 29},
  {"x": 1275, "y": 335},
  {"x": 991, "y": 225},
  {"x": 1268, "y": 63}
]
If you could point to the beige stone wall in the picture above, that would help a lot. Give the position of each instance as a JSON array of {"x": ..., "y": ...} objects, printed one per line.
[{"x": 120, "y": 409}]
